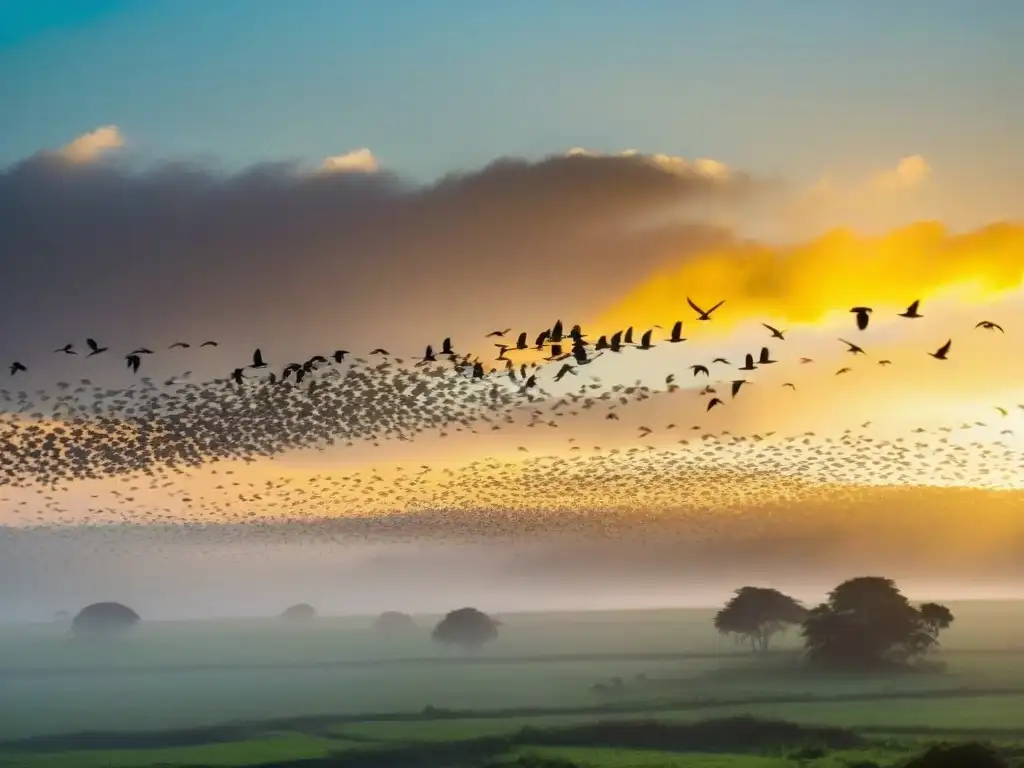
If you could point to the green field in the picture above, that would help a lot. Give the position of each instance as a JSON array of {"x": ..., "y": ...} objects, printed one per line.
[{"x": 258, "y": 693}]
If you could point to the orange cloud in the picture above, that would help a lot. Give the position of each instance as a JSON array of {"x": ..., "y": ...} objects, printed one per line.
[
  {"x": 803, "y": 283},
  {"x": 90, "y": 146},
  {"x": 356, "y": 161}
]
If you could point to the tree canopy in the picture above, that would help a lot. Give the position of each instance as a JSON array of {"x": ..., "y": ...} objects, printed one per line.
[
  {"x": 394, "y": 622},
  {"x": 867, "y": 621},
  {"x": 104, "y": 619},
  {"x": 756, "y": 614},
  {"x": 300, "y": 613},
  {"x": 466, "y": 628}
]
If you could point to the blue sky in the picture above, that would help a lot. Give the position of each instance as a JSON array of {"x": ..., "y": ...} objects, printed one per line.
[{"x": 790, "y": 87}]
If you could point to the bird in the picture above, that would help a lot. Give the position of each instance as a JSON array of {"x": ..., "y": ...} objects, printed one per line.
[
  {"x": 257, "y": 360},
  {"x": 941, "y": 352},
  {"x": 790, "y": 385},
  {"x": 736, "y": 385},
  {"x": 96, "y": 348},
  {"x": 843, "y": 370},
  {"x": 237, "y": 375},
  {"x": 339, "y": 355},
  {"x": 210, "y": 343},
  {"x": 863, "y": 316},
  {"x": 700, "y": 369},
  {"x": 749, "y": 365},
  {"x": 379, "y": 351},
  {"x": 133, "y": 362},
  {"x": 498, "y": 334},
  {"x": 885, "y": 362},
  {"x": 805, "y": 360},
  {"x": 988, "y": 325},
  {"x": 853, "y": 347},
  {"x": 67, "y": 349},
  {"x": 677, "y": 332},
  {"x": 566, "y": 368},
  {"x": 702, "y": 314},
  {"x": 181, "y": 344},
  {"x": 16, "y": 366},
  {"x": 776, "y": 333},
  {"x": 765, "y": 358},
  {"x": 712, "y": 403},
  {"x": 912, "y": 310}
]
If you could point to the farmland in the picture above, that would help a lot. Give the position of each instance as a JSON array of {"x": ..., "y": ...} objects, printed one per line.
[{"x": 256, "y": 692}]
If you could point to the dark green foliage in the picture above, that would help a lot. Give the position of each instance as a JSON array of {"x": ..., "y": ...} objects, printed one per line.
[
  {"x": 756, "y": 614},
  {"x": 971, "y": 754},
  {"x": 103, "y": 619},
  {"x": 467, "y": 628},
  {"x": 867, "y": 622}
]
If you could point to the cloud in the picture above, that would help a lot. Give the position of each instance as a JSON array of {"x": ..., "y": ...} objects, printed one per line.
[
  {"x": 909, "y": 173},
  {"x": 356, "y": 161},
  {"x": 90, "y": 146},
  {"x": 294, "y": 261},
  {"x": 706, "y": 167},
  {"x": 804, "y": 282}
]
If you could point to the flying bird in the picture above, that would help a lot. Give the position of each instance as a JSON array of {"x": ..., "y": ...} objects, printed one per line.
[
  {"x": 941, "y": 352},
  {"x": 863, "y": 316},
  {"x": 182, "y": 344},
  {"x": 96, "y": 348},
  {"x": 16, "y": 366},
  {"x": 702, "y": 314},
  {"x": 853, "y": 347},
  {"x": 257, "y": 360},
  {"x": 776, "y": 333},
  {"x": 912, "y": 310},
  {"x": 712, "y": 403},
  {"x": 67, "y": 349},
  {"x": 498, "y": 334},
  {"x": 133, "y": 362},
  {"x": 988, "y": 325},
  {"x": 677, "y": 332}
]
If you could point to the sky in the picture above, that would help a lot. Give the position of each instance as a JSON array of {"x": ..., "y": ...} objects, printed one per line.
[{"x": 303, "y": 177}]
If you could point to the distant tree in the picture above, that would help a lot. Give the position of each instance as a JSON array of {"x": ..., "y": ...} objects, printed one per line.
[
  {"x": 867, "y": 621},
  {"x": 302, "y": 613},
  {"x": 394, "y": 622},
  {"x": 756, "y": 614},
  {"x": 104, "y": 619},
  {"x": 466, "y": 628}
]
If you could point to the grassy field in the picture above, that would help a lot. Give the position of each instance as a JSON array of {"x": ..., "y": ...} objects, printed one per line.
[{"x": 338, "y": 688}]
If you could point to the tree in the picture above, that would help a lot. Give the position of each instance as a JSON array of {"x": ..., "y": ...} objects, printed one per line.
[
  {"x": 467, "y": 628},
  {"x": 104, "y": 619},
  {"x": 302, "y": 613},
  {"x": 757, "y": 614},
  {"x": 394, "y": 622},
  {"x": 867, "y": 621}
]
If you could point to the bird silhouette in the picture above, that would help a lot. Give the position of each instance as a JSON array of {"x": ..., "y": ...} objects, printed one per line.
[
  {"x": 988, "y": 325},
  {"x": 67, "y": 349},
  {"x": 776, "y": 333},
  {"x": 677, "y": 332},
  {"x": 713, "y": 402},
  {"x": 912, "y": 310},
  {"x": 16, "y": 366},
  {"x": 96, "y": 348},
  {"x": 702, "y": 314},
  {"x": 863, "y": 316},
  {"x": 133, "y": 362},
  {"x": 853, "y": 348},
  {"x": 257, "y": 360},
  {"x": 941, "y": 352}
]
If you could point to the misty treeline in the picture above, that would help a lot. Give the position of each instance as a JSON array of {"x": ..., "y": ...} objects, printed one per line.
[
  {"x": 864, "y": 622},
  {"x": 465, "y": 628}
]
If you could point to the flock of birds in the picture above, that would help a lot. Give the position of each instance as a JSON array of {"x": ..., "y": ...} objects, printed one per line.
[{"x": 148, "y": 442}]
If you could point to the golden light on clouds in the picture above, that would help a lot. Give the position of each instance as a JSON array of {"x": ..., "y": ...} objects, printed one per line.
[
  {"x": 803, "y": 283},
  {"x": 90, "y": 146}
]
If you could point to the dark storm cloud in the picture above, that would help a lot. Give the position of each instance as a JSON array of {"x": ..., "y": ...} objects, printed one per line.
[{"x": 273, "y": 254}]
